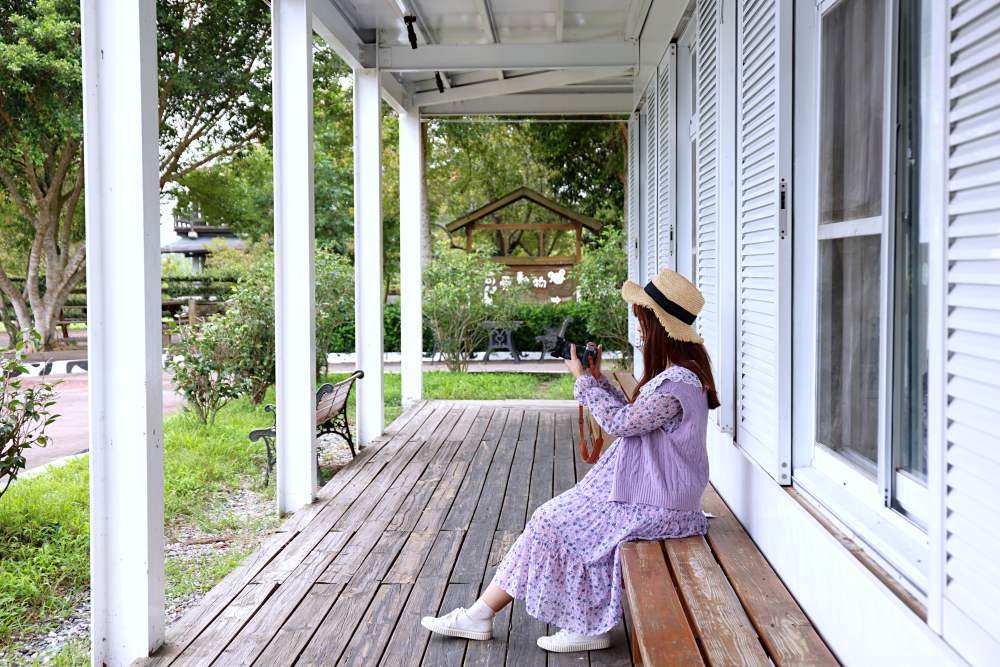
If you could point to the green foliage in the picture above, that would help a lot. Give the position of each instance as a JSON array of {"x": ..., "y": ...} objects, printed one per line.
[
  {"x": 25, "y": 413},
  {"x": 205, "y": 363},
  {"x": 214, "y": 100},
  {"x": 461, "y": 291},
  {"x": 599, "y": 278},
  {"x": 248, "y": 326},
  {"x": 334, "y": 300}
]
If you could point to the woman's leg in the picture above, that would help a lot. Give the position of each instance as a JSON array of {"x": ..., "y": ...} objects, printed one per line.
[{"x": 495, "y": 597}]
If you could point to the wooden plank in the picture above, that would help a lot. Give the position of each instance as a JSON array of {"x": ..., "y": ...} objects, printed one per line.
[
  {"x": 540, "y": 489},
  {"x": 334, "y": 631},
  {"x": 254, "y": 637},
  {"x": 389, "y": 489},
  {"x": 375, "y": 627},
  {"x": 449, "y": 651},
  {"x": 626, "y": 381},
  {"x": 726, "y": 635},
  {"x": 515, "y": 499},
  {"x": 564, "y": 466},
  {"x": 225, "y": 626},
  {"x": 661, "y": 626},
  {"x": 460, "y": 514},
  {"x": 409, "y": 638},
  {"x": 784, "y": 629},
  {"x": 493, "y": 653},
  {"x": 371, "y": 547},
  {"x": 217, "y": 599},
  {"x": 294, "y": 634},
  {"x": 428, "y": 504},
  {"x": 411, "y": 558}
]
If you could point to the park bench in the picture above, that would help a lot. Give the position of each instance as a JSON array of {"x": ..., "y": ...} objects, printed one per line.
[
  {"x": 712, "y": 600},
  {"x": 331, "y": 418}
]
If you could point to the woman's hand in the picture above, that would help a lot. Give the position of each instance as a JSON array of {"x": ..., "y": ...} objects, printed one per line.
[
  {"x": 595, "y": 366},
  {"x": 573, "y": 364}
]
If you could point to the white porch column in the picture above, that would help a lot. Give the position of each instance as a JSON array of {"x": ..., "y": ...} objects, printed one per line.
[
  {"x": 291, "y": 24},
  {"x": 410, "y": 246},
  {"x": 123, "y": 326},
  {"x": 368, "y": 333}
]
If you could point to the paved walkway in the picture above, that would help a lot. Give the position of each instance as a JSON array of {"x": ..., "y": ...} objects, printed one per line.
[{"x": 70, "y": 433}]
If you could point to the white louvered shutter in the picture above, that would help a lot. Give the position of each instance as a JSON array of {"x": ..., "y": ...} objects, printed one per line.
[
  {"x": 651, "y": 153},
  {"x": 763, "y": 245},
  {"x": 970, "y": 613},
  {"x": 666, "y": 138},
  {"x": 707, "y": 175},
  {"x": 632, "y": 215}
]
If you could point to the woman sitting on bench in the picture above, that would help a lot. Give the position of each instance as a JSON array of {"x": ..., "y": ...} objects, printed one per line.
[{"x": 566, "y": 564}]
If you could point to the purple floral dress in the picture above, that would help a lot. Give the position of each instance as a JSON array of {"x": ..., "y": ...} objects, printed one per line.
[{"x": 566, "y": 565}]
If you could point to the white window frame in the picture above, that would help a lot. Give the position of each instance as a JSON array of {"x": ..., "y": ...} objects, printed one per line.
[{"x": 865, "y": 505}]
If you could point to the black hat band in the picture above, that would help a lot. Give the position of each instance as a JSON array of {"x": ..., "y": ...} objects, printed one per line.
[{"x": 666, "y": 304}]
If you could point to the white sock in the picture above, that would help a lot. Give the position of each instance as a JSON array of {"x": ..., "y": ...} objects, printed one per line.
[{"x": 480, "y": 611}]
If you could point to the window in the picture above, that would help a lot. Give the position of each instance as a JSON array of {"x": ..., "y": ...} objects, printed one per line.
[
  {"x": 871, "y": 259},
  {"x": 850, "y": 229}
]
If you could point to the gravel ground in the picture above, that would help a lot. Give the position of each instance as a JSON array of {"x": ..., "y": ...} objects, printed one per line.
[{"x": 245, "y": 517}]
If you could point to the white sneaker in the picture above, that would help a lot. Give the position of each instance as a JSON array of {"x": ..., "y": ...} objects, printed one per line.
[
  {"x": 565, "y": 641},
  {"x": 457, "y": 623}
]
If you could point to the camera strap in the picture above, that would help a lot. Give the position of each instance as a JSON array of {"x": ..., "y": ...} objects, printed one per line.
[{"x": 593, "y": 455}]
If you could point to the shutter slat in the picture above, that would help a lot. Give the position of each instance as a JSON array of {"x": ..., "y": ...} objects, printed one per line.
[
  {"x": 763, "y": 119},
  {"x": 972, "y": 344}
]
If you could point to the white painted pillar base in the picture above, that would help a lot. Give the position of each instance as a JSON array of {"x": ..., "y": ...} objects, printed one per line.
[
  {"x": 368, "y": 331},
  {"x": 294, "y": 272},
  {"x": 123, "y": 326},
  {"x": 410, "y": 265}
]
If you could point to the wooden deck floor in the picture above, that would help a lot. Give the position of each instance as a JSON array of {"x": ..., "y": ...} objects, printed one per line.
[{"x": 415, "y": 525}]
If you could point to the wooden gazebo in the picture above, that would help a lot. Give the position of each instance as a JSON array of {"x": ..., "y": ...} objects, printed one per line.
[{"x": 535, "y": 263}]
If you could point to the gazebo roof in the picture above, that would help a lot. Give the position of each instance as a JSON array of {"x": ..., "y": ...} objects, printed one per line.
[{"x": 516, "y": 196}]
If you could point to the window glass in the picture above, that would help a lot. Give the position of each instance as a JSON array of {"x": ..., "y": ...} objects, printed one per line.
[
  {"x": 852, "y": 99},
  {"x": 848, "y": 386},
  {"x": 911, "y": 269}
]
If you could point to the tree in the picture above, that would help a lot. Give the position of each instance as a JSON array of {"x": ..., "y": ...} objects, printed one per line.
[{"x": 214, "y": 100}]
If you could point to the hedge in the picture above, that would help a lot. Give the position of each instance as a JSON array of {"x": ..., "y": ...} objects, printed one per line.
[{"x": 535, "y": 316}]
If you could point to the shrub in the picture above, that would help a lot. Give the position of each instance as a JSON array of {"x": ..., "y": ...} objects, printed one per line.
[
  {"x": 204, "y": 365},
  {"x": 599, "y": 278},
  {"x": 461, "y": 291},
  {"x": 248, "y": 324},
  {"x": 24, "y": 413},
  {"x": 334, "y": 302}
]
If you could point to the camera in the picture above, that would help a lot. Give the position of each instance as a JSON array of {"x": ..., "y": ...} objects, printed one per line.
[{"x": 586, "y": 354}]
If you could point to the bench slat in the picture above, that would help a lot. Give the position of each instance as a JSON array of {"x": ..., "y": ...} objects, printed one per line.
[
  {"x": 718, "y": 618},
  {"x": 661, "y": 627},
  {"x": 783, "y": 628}
]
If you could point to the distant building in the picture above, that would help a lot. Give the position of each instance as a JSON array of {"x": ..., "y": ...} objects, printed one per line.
[{"x": 196, "y": 239}]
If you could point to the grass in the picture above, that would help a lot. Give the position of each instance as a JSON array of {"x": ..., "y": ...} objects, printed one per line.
[{"x": 44, "y": 521}]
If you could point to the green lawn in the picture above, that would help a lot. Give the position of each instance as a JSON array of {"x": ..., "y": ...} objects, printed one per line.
[{"x": 44, "y": 557}]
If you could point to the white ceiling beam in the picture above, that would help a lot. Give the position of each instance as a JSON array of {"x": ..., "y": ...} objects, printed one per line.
[
  {"x": 520, "y": 84},
  {"x": 330, "y": 23},
  {"x": 490, "y": 25},
  {"x": 536, "y": 104},
  {"x": 394, "y": 93},
  {"x": 459, "y": 58}
]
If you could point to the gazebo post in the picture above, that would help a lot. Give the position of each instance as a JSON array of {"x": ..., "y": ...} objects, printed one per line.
[
  {"x": 123, "y": 326},
  {"x": 294, "y": 277},
  {"x": 410, "y": 265},
  {"x": 368, "y": 333}
]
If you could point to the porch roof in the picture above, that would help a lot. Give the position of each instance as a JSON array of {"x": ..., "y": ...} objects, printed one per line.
[{"x": 565, "y": 57}]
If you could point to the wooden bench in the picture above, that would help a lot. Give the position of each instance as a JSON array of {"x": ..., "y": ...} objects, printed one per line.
[
  {"x": 331, "y": 418},
  {"x": 713, "y": 600}
]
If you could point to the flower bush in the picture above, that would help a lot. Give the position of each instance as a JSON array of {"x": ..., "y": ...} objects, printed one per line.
[
  {"x": 205, "y": 367},
  {"x": 461, "y": 291},
  {"x": 25, "y": 413}
]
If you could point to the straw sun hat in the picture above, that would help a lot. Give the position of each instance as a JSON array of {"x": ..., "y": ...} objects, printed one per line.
[{"x": 673, "y": 298}]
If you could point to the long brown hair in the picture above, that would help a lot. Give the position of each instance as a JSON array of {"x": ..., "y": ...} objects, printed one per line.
[{"x": 659, "y": 350}]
